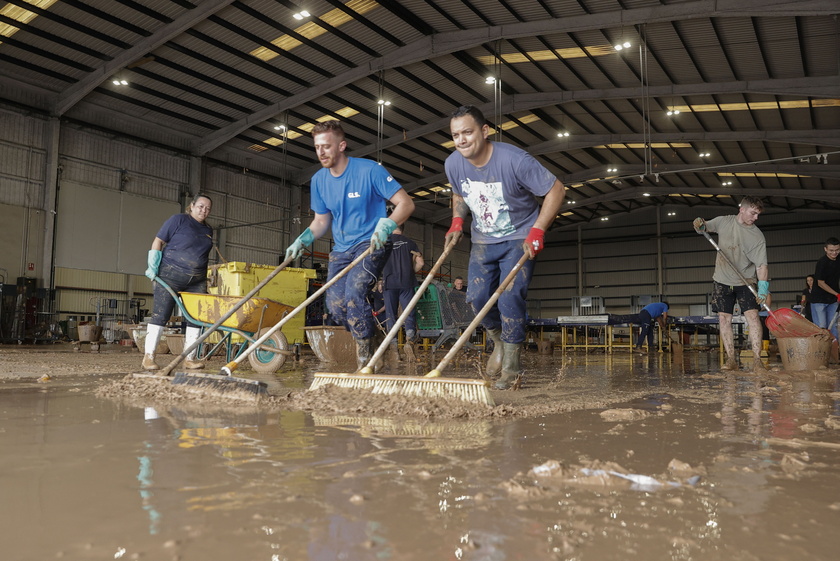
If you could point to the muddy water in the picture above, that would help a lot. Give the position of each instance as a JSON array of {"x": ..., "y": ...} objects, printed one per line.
[{"x": 582, "y": 468}]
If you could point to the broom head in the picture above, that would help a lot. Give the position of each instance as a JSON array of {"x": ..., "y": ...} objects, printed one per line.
[{"x": 473, "y": 391}]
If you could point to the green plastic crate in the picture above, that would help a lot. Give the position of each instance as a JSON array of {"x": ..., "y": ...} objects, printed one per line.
[{"x": 428, "y": 310}]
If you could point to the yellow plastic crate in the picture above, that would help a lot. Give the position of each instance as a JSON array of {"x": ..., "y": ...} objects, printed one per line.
[{"x": 289, "y": 287}]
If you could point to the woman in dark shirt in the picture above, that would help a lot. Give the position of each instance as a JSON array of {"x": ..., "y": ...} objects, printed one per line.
[
  {"x": 806, "y": 297},
  {"x": 179, "y": 256}
]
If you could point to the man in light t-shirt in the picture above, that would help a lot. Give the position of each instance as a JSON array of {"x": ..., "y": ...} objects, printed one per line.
[
  {"x": 498, "y": 184},
  {"x": 743, "y": 244}
]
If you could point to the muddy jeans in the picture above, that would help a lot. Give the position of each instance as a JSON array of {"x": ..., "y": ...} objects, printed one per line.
[
  {"x": 823, "y": 314},
  {"x": 178, "y": 280},
  {"x": 489, "y": 265},
  {"x": 394, "y": 300},
  {"x": 347, "y": 299}
]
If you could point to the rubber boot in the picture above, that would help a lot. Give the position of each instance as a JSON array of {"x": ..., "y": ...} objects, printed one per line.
[
  {"x": 494, "y": 363},
  {"x": 408, "y": 347},
  {"x": 190, "y": 362},
  {"x": 153, "y": 333},
  {"x": 511, "y": 368}
]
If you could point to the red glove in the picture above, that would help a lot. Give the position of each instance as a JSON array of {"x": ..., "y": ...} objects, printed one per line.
[
  {"x": 375, "y": 314},
  {"x": 838, "y": 296},
  {"x": 535, "y": 242},
  {"x": 455, "y": 230}
]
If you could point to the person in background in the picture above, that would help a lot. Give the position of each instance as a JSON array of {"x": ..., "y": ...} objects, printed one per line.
[
  {"x": 743, "y": 244},
  {"x": 179, "y": 256},
  {"x": 400, "y": 277},
  {"x": 658, "y": 312},
  {"x": 805, "y": 301},
  {"x": 349, "y": 196},
  {"x": 498, "y": 184},
  {"x": 826, "y": 294},
  {"x": 459, "y": 284}
]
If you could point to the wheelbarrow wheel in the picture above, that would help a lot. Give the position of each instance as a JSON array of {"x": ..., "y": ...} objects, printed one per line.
[{"x": 266, "y": 361}]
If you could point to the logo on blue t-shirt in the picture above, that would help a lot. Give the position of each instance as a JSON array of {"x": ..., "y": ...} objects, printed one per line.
[{"x": 355, "y": 195}]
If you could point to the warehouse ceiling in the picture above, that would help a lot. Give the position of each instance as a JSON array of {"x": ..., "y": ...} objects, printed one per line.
[{"x": 631, "y": 103}]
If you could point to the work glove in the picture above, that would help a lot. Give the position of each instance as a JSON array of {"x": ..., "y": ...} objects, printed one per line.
[
  {"x": 375, "y": 314},
  {"x": 380, "y": 236},
  {"x": 699, "y": 225},
  {"x": 838, "y": 297},
  {"x": 763, "y": 291},
  {"x": 303, "y": 240},
  {"x": 456, "y": 230},
  {"x": 153, "y": 260},
  {"x": 535, "y": 242}
]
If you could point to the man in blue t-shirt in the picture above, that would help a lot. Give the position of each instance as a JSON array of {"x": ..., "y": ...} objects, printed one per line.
[
  {"x": 400, "y": 276},
  {"x": 349, "y": 196},
  {"x": 499, "y": 184},
  {"x": 657, "y": 311}
]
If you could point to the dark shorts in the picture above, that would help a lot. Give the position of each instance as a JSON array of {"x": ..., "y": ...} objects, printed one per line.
[{"x": 725, "y": 296}]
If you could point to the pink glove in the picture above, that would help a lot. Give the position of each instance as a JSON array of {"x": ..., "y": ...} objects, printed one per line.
[{"x": 535, "y": 242}]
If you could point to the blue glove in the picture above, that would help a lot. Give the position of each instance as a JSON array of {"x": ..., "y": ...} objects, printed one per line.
[
  {"x": 303, "y": 240},
  {"x": 383, "y": 229},
  {"x": 155, "y": 255},
  {"x": 699, "y": 225},
  {"x": 763, "y": 291}
]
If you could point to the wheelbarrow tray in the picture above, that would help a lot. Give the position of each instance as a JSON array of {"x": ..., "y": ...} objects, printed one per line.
[{"x": 208, "y": 308}]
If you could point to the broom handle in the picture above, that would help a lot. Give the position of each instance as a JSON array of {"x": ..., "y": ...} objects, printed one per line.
[
  {"x": 478, "y": 317},
  {"x": 231, "y": 366},
  {"x": 177, "y": 360},
  {"x": 737, "y": 272},
  {"x": 410, "y": 306}
]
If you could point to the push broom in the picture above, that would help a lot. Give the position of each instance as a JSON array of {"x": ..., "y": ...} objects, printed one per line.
[
  {"x": 432, "y": 384},
  {"x": 209, "y": 381}
]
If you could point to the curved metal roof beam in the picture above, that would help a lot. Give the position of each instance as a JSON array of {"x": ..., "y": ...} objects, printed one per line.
[
  {"x": 450, "y": 42},
  {"x": 827, "y": 86}
]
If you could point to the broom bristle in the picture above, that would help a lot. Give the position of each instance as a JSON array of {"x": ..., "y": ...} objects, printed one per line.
[
  {"x": 228, "y": 386},
  {"x": 473, "y": 391}
]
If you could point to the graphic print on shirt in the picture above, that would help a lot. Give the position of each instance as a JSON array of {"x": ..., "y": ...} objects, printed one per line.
[{"x": 491, "y": 214}]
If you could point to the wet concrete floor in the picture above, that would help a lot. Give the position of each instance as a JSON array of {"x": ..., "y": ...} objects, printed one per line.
[{"x": 653, "y": 460}]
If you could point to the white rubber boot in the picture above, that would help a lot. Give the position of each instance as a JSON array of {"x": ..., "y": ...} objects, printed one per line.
[
  {"x": 191, "y": 337},
  {"x": 153, "y": 333}
]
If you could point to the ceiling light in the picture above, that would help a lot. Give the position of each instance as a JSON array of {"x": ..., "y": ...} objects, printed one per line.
[
  {"x": 673, "y": 112},
  {"x": 564, "y": 133},
  {"x": 626, "y": 44},
  {"x": 119, "y": 82},
  {"x": 490, "y": 80},
  {"x": 280, "y": 127},
  {"x": 383, "y": 102},
  {"x": 619, "y": 46},
  {"x": 612, "y": 169},
  {"x": 301, "y": 14},
  {"x": 725, "y": 183},
  {"x": 672, "y": 214},
  {"x": 604, "y": 218},
  {"x": 571, "y": 202},
  {"x": 646, "y": 194},
  {"x": 704, "y": 154}
]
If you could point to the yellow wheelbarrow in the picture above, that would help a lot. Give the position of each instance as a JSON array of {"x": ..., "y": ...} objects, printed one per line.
[{"x": 250, "y": 321}]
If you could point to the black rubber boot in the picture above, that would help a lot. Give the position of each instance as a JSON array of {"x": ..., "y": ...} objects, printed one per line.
[
  {"x": 511, "y": 368},
  {"x": 494, "y": 363}
]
